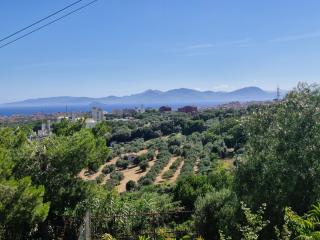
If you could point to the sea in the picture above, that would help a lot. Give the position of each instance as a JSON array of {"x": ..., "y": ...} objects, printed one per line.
[{"x": 7, "y": 110}]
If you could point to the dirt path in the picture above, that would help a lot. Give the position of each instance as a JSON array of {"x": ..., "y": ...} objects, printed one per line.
[
  {"x": 138, "y": 153},
  {"x": 177, "y": 173},
  {"x": 159, "y": 178},
  {"x": 134, "y": 174},
  {"x": 196, "y": 166}
]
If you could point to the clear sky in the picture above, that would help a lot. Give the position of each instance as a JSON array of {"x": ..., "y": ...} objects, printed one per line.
[{"x": 119, "y": 47}]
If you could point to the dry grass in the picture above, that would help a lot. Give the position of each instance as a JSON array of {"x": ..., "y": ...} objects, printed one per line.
[
  {"x": 85, "y": 174},
  {"x": 227, "y": 162},
  {"x": 133, "y": 173}
]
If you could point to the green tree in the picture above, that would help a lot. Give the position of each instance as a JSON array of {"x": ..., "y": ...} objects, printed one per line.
[
  {"x": 22, "y": 205},
  {"x": 55, "y": 163},
  {"x": 215, "y": 211},
  {"x": 305, "y": 227},
  {"x": 143, "y": 165},
  {"x": 189, "y": 188},
  {"x": 281, "y": 162}
]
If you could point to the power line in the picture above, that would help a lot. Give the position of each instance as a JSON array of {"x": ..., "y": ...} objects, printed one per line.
[
  {"x": 49, "y": 23},
  {"x": 39, "y": 21}
]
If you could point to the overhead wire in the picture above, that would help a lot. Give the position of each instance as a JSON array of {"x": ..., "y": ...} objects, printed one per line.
[{"x": 47, "y": 24}]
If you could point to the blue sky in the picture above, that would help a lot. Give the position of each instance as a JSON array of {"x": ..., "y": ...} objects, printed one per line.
[{"x": 119, "y": 47}]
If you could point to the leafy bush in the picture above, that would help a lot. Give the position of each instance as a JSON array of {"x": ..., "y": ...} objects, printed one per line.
[
  {"x": 123, "y": 164},
  {"x": 143, "y": 165},
  {"x": 100, "y": 178},
  {"x": 151, "y": 154},
  {"x": 131, "y": 186},
  {"x": 109, "y": 168},
  {"x": 117, "y": 176}
]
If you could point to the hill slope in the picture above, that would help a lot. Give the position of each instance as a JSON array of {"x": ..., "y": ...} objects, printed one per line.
[{"x": 174, "y": 96}]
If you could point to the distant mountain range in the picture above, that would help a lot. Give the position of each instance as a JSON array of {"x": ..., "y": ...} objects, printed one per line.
[{"x": 155, "y": 97}]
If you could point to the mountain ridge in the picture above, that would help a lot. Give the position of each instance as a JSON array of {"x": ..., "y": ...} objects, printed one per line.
[{"x": 179, "y": 95}]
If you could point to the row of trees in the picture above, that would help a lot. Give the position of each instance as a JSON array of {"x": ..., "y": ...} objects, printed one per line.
[{"x": 275, "y": 179}]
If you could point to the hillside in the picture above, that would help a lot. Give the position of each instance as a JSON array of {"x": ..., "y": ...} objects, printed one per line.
[{"x": 174, "y": 96}]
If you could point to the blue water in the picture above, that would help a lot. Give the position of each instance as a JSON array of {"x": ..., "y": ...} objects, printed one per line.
[
  {"x": 13, "y": 110},
  {"x": 8, "y": 111}
]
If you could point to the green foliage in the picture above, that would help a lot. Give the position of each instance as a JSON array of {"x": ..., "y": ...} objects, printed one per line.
[
  {"x": 119, "y": 216},
  {"x": 67, "y": 128},
  {"x": 143, "y": 165},
  {"x": 131, "y": 186},
  {"x": 215, "y": 211},
  {"x": 100, "y": 178},
  {"x": 102, "y": 129},
  {"x": 22, "y": 205},
  {"x": 107, "y": 237},
  {"x": 151, "y": 154},
  {"x": 305, "y": 227},
  {"x": 117, "y": 176},
  {"x": 123, "y": 164},
  {"x": 172, "y": 169},
  {"x": 255, "y": 222},
  {"x": 188, "y": 189},
  {"x": 280, "y": 165},
  {"x": 162, "y": 160},
  {"x": 55, "y": 163}
]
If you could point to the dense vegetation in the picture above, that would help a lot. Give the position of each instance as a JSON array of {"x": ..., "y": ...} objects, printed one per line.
[{"x": 252, "y": 173}]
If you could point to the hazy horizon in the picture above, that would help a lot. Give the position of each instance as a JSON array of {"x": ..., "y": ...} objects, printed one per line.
[{"x": 201, "y": 90}]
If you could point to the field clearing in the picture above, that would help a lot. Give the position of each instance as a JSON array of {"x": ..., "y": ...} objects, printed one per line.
[
  {"x": 132, "y": 173},
  {"x": 85, "y": 175}
]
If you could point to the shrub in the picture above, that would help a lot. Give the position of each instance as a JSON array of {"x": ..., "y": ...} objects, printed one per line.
[
  {"x": 168, "y": 174},
  {"x": 144, "y": 181},
  {"x": 109, "y": 168},
  {"x": 131, "y": 186},
  {"x": 93, "y": 166},
  {"x": 122, "y": 164},
  {"x": 143, "y": 165},
  {"x": 214, "y": 212},
  {"x": 117, "y": 176},
  {"x": 142, "y": 157},
  {"x": 151, "y": 154},
  {"x": 100, "y": 178}
]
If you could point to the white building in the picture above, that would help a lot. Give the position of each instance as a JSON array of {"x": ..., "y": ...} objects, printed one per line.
[
  {"x": 90, "y": 123},
  {"x": 97, "y": 114},
  {"x": 45, "y": 129}
]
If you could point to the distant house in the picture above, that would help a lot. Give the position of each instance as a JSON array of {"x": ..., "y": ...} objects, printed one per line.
[
  {"x": 90, "y": 123},
  {"x": 165, "y": 109},
  {"x": 45, "y": 129},
  {"x": 97, "y": 114},
  {"x": 188, "y": 109}
]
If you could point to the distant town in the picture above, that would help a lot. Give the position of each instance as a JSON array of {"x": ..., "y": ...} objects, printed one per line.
[{"x": 97, "y": 114}]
